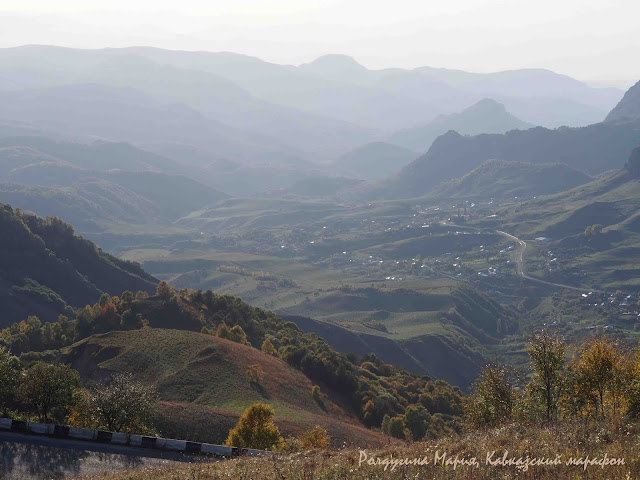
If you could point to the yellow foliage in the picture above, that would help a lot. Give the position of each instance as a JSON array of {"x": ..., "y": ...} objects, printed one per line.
[
  {"x": 316, "y": 438},
  {"x": 255, "y": 429}
]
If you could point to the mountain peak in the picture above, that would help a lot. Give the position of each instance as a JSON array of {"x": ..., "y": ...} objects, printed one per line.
[
  {"x": 487, "y": 105},
  {"x": 335, "y": 62},
  {"x": 628, "y": 108}
]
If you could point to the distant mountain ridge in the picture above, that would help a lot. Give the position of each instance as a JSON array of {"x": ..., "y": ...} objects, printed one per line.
[
  {"x": 486, "y": 116},
  {"x": 326, "y": 102},
  {"x": 592, "y": 149}
]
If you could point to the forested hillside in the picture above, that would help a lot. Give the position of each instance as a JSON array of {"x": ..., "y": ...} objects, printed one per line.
[
  {"x": 46, "y": 270},
  {"x": 363, "y": 385}
]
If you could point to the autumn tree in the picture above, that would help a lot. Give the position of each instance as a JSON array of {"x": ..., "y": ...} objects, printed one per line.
[
  {"x": 255, "y": 429},
  {"x": 384, "y": 426},
  {"x": 84, "y": 322},
  {"x": 126, "y": 298},
  {"x": 141, "y": 295},
  {"x": 104, "y": 299},
  {"x": 622, "y": 383},
  {"x": 164, "y": 290},
  {"x": 374, "y": 410},
  {"x": 82, "y": 413},
  {"x": 577, "y": 398},
  {"x": 235, "y": 334},
  {"x": 223, "y": 331},
  {"x": 633, "y": 392},
  {"x": 493, "y": 396},
  {"x": 48, "y": 388},
  {"x": 593, "y": 230},
  {"x": 547, "y": 357},
  {"x": 595, "y": 367},
  {"x": 268, "y": 348}
]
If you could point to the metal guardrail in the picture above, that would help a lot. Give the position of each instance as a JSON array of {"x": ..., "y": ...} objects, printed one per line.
[{"x": 126, "y": 439}]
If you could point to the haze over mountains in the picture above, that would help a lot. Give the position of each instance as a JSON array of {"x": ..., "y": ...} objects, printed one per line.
[
  {"x": 242, "y": 126},
  {"x": 628, "y": 108},
  {"x": 375, "y": 160},
  {"x": 269, "y": 99},
  {"x": 593, "y": 149},
  {"x": 486, "y": 116},
  {"x": 365, "y": 205},
  {"x": 91, "y": 185}
]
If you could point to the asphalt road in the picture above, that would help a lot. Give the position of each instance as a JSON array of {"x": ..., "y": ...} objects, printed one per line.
[
  {"x": 520, "y": 267},
  {"x": 30, "y": 457}
]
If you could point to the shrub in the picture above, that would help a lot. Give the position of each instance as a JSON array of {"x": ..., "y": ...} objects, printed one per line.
[
  {"x": 255, "y": 374},
  {"x": 268, "y": 348},
  {"x": 397, "y": 427},
  {"x": 255, "y": 429},
  {"x": 417, "y": 420},
  {"x": 316, "y": 438}
]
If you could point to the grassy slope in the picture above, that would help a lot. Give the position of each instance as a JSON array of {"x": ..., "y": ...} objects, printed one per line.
[
  {"x": 568, "y": 441},
  {"x": 203, "y": 383},
  {"x": 500, "y": 178},
  {"x": 313, "y": 258},
  {"x": 613, "y": 202}
]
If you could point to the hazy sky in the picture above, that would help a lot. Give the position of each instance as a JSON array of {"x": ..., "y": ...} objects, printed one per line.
[{"x": 588, "y": 39}]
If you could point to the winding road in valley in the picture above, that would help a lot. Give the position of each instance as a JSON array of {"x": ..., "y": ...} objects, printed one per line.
[{"x": 522, "y": 246}]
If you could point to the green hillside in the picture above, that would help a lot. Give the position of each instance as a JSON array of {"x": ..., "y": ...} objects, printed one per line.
[
  {"x": 502, "y": 179},
  {"x": 204, "y": 387},
  {"x": 96, "y": 185},
  {"x": 158, "y": 339},
  {"x": 94, "y": 156},
  {"x": 45, "y": 269},
  {"x": 604, "y": 255}
]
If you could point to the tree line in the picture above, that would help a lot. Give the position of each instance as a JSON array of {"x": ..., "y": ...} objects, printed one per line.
[
  {"x": 55, "y": 393},
  {"x": 373, "y": 388},
  {"x": 599, "y": 380}
]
